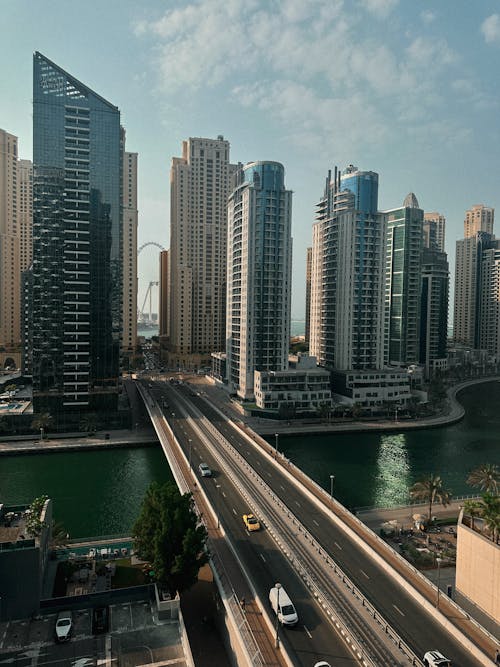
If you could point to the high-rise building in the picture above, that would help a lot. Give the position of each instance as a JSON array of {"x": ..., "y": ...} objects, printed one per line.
[
  {"x": 478, "y": 232},
  {"x": 259, "y": 274},
  {"x": 347, "y": 287},
  {"x": 479, "y": 218},
  {"x": 403, "y": 282},
  {"x": 433, "y": 308},
  {"x": 434, "y": 231},
  {"x": 10, "y": 272},
  {"x": 164, "y": 318},
  {"x": 199, "y": 187},
  {"x": 77, "y": 244},
  {"x": 489, "y": 302},
  {"x": 25, "y": 212},
  {"x": 130, "y": 215},
  {"x": 308, "y": 292}
]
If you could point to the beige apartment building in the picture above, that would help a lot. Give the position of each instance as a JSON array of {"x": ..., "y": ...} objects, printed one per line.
[
  {"x": 130, "y": 215},
  {"x": 16, "y": 200},
  {"x": 478, "y": 236},
  {"x": 164, "y": 305},
  {"x": 200, "y": 184},
  {"x": 434, "y": 231}
]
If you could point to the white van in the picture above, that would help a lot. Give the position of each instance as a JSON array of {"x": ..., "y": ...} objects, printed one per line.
[{"x": 286, "y": 612}]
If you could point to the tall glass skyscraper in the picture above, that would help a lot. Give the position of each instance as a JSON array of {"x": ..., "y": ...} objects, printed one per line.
[
  {"x": 77, "y": 243},
  {"x": 259, "y": 271}
]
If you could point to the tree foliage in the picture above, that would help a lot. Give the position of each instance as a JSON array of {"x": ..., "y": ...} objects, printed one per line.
[
  {"x": 431, "y": 490},
  {"x": 486, "y": 477},
  {"x": 167, "y": 535},
  {"x": 34, "y": 523},
  {"x": 43, "y": 421}
]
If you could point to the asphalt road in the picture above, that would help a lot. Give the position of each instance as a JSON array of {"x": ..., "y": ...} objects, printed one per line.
[{"x": 416, "y": 627}]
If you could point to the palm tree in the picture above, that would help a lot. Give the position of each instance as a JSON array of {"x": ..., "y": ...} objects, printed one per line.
[
  {"x": 490, "y": 513},
  {"x": 431, "y": 490},
  {"x": 89, "y": 422},
  {"x": 486, "y": 477},
  {"x": 11, "y": 388},
  {"x": 60, "y": 535},
  {"x": 41, "y": 422},
  {"x": 473, "y": 508}
]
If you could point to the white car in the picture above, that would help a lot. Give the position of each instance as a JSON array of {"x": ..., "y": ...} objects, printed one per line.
[
  {"x": 204, "y": 470},
  {"x": 64, "y": 626},
  {"x": 436, "y": 659}
]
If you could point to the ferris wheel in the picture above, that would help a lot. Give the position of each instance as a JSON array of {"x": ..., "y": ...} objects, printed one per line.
[{"x": 142, "y": 315}]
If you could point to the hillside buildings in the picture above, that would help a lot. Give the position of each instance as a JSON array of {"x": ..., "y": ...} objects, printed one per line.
[
  {"x": 259, "y": 267},
  {"x": 77, "y": 286},
  {"x": 199, "y": 189}
]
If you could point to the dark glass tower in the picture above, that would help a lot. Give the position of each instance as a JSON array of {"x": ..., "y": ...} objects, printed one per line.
[{"x": 77, "y": 274}]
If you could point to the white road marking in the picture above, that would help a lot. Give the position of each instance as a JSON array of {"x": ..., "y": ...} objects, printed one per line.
[
  {"x": 258, "y": 463},
  {"x": 314, "y": 521},
  {"x": 398, "y": 610},
  {"x": 338, "y": 545},
  {"x": 235, "y": 512},
  {"x": 297, "y": 503},
  {"x": 262, "y": 557},
  {"x": 282, "y": 487},
  {"x": 364, "y": 574},
  {"x": 223, "y": 494},
  {"x": 308, "y": 633}
]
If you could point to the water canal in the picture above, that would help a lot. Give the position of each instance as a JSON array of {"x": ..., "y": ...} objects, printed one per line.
[{"x": 99, "y": 492}]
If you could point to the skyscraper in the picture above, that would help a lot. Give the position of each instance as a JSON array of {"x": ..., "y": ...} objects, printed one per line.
[
  {"x": 130, "y": 215},
  {"x": 199, "y": 188},
  {"x": 259, "y": 274},
  {"x": 403, "y": 282},
  {"x": 348, "y": 274},
  {"x": 308, "y": 292},
  {"x": 489, "y": 306},
  {"x": 25, "y": 212},
  {"x": 434, "y": 231},
  {"x": 163, "y": 310},
  {"x": 433, "y": 308},
  {"x": 77, "y": 244},
  {"x": 478, "y": 232}
]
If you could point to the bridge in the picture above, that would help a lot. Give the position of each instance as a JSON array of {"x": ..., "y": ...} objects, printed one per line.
[{"x": 359, "y": 603}]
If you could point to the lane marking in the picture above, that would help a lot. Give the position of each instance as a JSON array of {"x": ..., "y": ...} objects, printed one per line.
[
  {"x": 262, "y": 557},
  {"x": 338, "y": 545},
  {"x": 308, "y": 633},
  {"x": 314, "y": 521},
  {"x": 297, "y": 503},
  {"x": 223, "y": 494},
  {"x": 234, "y": 512},
  {"x": 398, "y": 610},
  {"x": 364, "y": 574},
  {"x": 282, "y": 487}
]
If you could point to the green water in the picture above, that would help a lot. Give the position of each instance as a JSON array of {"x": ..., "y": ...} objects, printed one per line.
[{"x": 99, "y": 492}]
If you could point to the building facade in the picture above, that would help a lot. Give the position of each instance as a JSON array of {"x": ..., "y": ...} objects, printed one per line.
[
  {"x": 489, "y": 302},
  {"x": 77, "y": 289},
  {"x": 478, "y": 236},
  {"x": 404, "y": 238},
  {"x": 434, "y": 231},
  {"x": 164, "y": 309},
  {"x": 259, "y": 267},
  {"x": 348, "y": 287},
  {"x": 308, "y": 292},
  {"x": 434, "y": 310},
  {"x": 199, "y": 187},
  {"x": 130, "y": 216}
]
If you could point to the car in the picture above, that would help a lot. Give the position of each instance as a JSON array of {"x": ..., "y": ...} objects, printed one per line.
[
  {"x": 436, "y": 659},
  {"x": 64, "y": 625},
  {"x": 204, "y": 470},
  {"x": 251, "y": 523},
  {"x": 100, "y": 620}
]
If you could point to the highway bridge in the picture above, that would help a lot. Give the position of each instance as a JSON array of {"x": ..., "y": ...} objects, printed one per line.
[{"x": 358, "y": 601}]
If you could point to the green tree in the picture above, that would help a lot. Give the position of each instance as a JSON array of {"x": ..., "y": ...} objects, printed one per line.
[
  {"x": 473, "y": 509},
  {"x": 486, "y": 477},
  {"x": 89, "y": 422},
  {"x": 431, "y": 490},
  {"x": 42, "y": 422},
  {"x": 34, "y": 523},
  {"x": 60, "y": 535},
  {"x": 11, "y": 388},
  {"x": 490, "y": 513},
  {"x": 167, "y": 535}
]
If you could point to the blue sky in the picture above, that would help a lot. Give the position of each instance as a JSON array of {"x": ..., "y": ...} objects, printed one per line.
[{"x": 407, "y": 88}]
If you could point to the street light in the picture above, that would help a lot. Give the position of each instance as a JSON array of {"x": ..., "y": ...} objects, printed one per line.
[
  {"x": 41, "y": 433},
  {"x": 217, "y": 486},
  {"x": 277, "y": 586},
  {"x": 438, "y": 561},
  {"x": 332, "y": 482},
  {"x": 276, "y": 435}
]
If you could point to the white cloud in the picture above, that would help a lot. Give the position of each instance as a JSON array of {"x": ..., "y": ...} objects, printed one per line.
[
  {"x": 380, "y": 7},
  {"x": 491, "y": 29},
  {"x": 427, "y": 16}
]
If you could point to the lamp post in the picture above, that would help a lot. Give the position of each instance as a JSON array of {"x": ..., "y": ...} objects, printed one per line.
[
  {"x": 276, "y": 436},
  {"x": 190, "y": 443},
  {"x": 438, "y": 561},
  {"x": 41, "y": 433},
  {"x": 332, "y": 482},
  {"x": 277, "y": 586},
  {"x": 217, "y": 486}
]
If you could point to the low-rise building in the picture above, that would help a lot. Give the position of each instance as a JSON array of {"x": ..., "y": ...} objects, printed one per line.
[
  {"x": 303, "y": 387},
  {"x": 372, "y": 388},
  {"x": 23, "y": 558}
]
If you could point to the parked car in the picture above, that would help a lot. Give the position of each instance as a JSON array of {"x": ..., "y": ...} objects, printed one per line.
[
  {"x": 64, "y": 625},
  {"x": 100, "y": 620},
  {"x": 436, "y": 659},
  {"x": 204, "y": 470},
  {"x": 251, "y": 523}
]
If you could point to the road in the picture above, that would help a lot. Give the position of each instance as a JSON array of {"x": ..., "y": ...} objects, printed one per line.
[{"x": 414, "y": 625}]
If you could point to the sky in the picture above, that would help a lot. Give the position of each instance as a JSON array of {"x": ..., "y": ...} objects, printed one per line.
[{"x": 407, "y": 88}]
